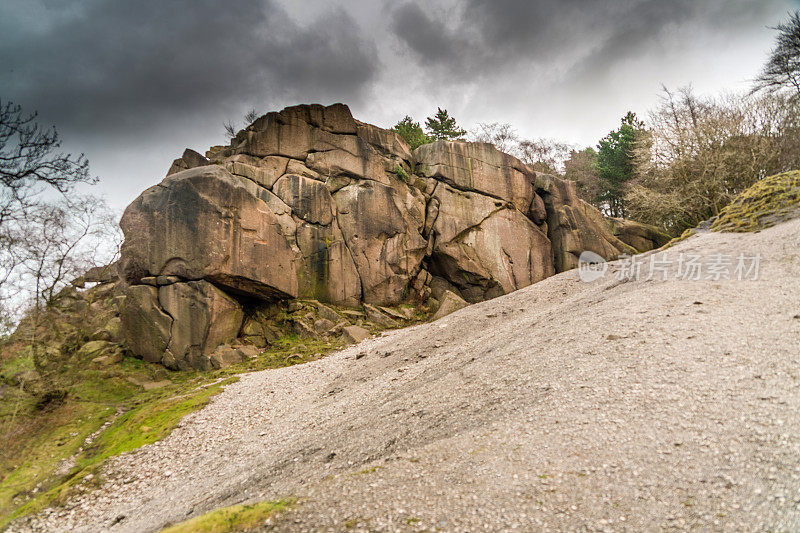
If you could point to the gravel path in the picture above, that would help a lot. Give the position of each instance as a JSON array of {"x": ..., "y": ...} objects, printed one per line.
[{"x": 643, "y": 405}]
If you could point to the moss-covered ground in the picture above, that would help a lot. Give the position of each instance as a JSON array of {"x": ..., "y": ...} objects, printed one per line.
[
  {"x": 234, "y": 518},
  {"x": 768, "y": 202},
  {"x": 121, "y": 406}
]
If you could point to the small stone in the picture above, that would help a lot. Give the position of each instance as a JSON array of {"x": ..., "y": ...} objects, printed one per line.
[
  {"x": 378, "y": 317},
  {"x": 323, "y": 325},
  {"x": 354, "y": 334},
  {"x": 224, "y": 356},
  {"x": 451, "y": 303}
]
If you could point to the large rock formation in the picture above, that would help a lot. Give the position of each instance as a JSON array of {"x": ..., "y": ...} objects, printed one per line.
[{"x": 310, "y": 203}]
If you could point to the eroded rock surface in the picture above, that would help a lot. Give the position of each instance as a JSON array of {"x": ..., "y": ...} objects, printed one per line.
[
  {"x": 179, "y": 325},
  {"x": 310, "y": 203},
  {"x": 206, "y": 223}
]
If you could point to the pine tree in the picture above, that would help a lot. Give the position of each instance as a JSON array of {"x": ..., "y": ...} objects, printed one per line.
[
  {"x": 442, "y": 126},
  {"x": 615, "y": 165},
  {"x": 412, "y": 132}
]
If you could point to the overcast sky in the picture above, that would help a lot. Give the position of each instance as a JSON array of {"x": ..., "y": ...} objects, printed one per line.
[{"x": 132, "y": 83}]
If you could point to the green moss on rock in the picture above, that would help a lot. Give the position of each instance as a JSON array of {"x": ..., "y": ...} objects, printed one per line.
[{"x": 770, "y": 201}]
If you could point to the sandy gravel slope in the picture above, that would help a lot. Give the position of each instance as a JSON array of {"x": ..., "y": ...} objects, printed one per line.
[{"x": 567, "y": 405}]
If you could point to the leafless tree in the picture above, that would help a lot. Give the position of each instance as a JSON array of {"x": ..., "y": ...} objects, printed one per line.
[
  {"x": 231, "y": 130},
  {"x": 782, "y": 71},
  {"x": 62, "y": 240},
  {"x": 545, "y": 155},
  {"x": 250, "y": 116},
  {"x": 31, "y": 167},
  {"x": 699, "y": 153},
  {"x": 581, "y": 167},
  {"x": 503, "y": 136}
]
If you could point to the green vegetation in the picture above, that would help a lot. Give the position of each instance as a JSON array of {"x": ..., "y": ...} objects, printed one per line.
[
  {"x": 615, "y": 163},
  {"x": 699, "y": 153},
  {"x": 58, "y": 431},
  {"x": 402, "y": 174},
  {"x": 685, "y": 235},
  {"x": 122, "y": 405},
  {"x": 581, "y": 167},
  {"x": 412, "y": 132},
  {"x": 41, "y": 437},
  {"x": 234, "y": 518},
  {"x": 440, "y": 126},
  {"x": 768, "y": 202},
  {"x": 369, "y": 470},
  {"x": 53, "y": 446},
  {"x": 443, "y": 127},
  {"x": 353, "y": 522},
  {"x": 287, "y": 351}
]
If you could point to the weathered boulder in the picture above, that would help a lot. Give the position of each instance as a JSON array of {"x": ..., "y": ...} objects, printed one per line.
[
  {"x": 253, "y": 333},
  {"x": 263, "y": 171},
  {"x": 364, "y": 164},
  {"x": 309, "y": 199},
  {"x": 203, "y": 317},
  {"x": 574, "y": 226},
  {"x": 310, "y": 203},
  {"x": 450, "y": 304},
  {"x": 387, "y": 142},
  {"x": 323, "y": 326},
  {"x": 101, "y": 274},
  {"x": 643, "y": 237},
  {"x": 354, "y": 334},
  {"x": 111, "y": 331},
  {"x": 479, "y": 167},
  {"x": 225, "y": 355},
  {"x": 296, "y": 167},
  {"x": 295, "y": 131},
  {"x": 189, "y": 159},
  {"x": 95, "y": 348},
  {"x": 179, "y": 325},
  {"x": 382, "y": 228},
  {"x": 452, "y": 212},
  {"x": 206, "y": 223},
  {"x": 503, "y": 253},
  {"x": 147, "y": 328},
  {"x": 376, "y": 316},
  {"x": 484, "y": 246},
  {"x": 327, "y": 270}
]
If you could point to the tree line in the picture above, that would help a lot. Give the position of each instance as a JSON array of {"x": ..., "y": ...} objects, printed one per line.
[{"x": 681, "y": 164}]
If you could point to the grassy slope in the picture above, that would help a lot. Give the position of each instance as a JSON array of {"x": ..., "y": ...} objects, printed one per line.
[{"x": 39, "y": 441}]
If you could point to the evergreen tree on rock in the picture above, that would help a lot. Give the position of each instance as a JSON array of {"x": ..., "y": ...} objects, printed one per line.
[{"x": 443, "y": 127}]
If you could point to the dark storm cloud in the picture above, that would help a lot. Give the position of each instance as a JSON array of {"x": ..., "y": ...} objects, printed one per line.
[
  {"x": 487, "y": 36},
  {"x": 132, "y": 64},
  {"x": 133, "y": 82}
]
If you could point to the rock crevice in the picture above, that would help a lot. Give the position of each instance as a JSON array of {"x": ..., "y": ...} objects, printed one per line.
[{"x": 310, "y": 203}]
